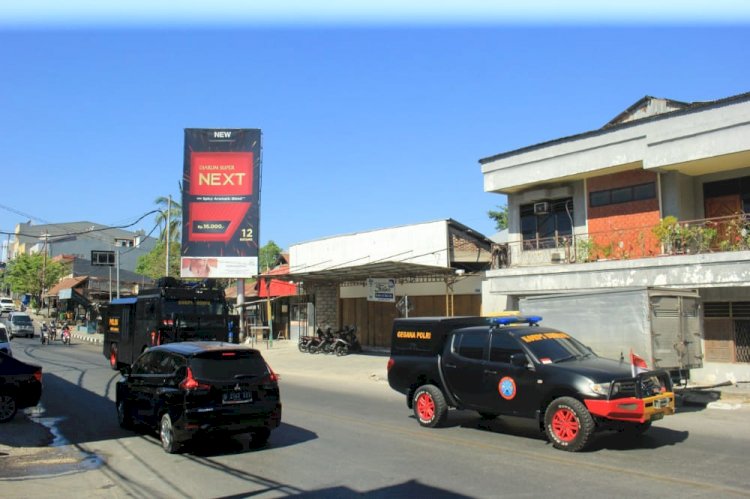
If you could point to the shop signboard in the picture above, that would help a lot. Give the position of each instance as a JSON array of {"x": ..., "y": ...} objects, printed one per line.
[{"x": 381, "y": 289}]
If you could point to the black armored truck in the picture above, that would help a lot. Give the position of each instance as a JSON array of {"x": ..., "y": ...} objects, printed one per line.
[{"x": 512, "y": 366}]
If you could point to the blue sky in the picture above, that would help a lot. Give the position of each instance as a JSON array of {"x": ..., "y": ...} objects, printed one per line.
[{"x": 372, "y": 117}]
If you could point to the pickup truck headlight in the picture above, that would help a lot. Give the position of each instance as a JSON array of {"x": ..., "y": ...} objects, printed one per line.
[{"x": 600, "y": 388}]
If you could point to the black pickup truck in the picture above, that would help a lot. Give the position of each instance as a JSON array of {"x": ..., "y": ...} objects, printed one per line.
[{"x": 512, "y": 366}]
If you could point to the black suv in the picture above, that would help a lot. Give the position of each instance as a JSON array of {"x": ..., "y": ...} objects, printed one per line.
[
  {"x": 189, "y": 388},
  {"x": 511, "y": 366}
]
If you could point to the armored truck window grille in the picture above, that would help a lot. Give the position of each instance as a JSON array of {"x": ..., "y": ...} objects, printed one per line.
[
  {"x": 472, "y": 346},
  {"x": 546, "y": 228}
]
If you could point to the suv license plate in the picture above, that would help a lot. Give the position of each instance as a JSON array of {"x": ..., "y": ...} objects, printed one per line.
[{"x": 237, "y": 397}]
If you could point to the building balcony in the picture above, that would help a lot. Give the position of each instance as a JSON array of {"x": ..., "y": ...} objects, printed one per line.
[{"x": 698, "y": 253}]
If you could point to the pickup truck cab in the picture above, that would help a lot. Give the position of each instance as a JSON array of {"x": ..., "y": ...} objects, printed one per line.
[{"x": 512, "y": 366}]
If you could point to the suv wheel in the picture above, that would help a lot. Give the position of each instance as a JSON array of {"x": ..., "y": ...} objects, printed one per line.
[
  {"x": 8, "y": 408},
  {"x": 568, "y": 424},
  {"x": 429, "y": 405},
  {"x": 259, "y": 437},
  {"x": 123, "y": 415},
  {"x": 166, "y": 435}
]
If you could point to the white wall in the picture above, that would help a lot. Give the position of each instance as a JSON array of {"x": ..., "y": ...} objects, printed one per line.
[
  {"x": 465, "y": 285},
  {"x": 707, "y": 133},
  {"x": 425, "y": 244}
]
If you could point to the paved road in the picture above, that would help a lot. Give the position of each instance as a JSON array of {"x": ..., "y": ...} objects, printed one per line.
[{"x": 345, "y": 433}]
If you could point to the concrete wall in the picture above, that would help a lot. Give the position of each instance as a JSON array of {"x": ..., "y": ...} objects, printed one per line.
[
  {"x": 726, "y": 269},
  {"x": 690, "y": 137},
  {"x": 326, "y": 299},
  {"x": 464, "y": 285},
  {"x": 425, "y": 244}
]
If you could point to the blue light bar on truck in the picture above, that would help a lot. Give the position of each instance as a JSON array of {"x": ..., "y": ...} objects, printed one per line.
[{"x": 531, "y": 320}]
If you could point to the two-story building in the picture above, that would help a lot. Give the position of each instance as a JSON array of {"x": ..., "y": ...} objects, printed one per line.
[{"x": 658, "y": 196}]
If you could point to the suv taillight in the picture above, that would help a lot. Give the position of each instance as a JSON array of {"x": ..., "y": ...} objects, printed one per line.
[
  {"x": 390, "y": 363},
  {"x": 38, "y": 375},
  {"x": 272, "y": 376},
  {"x": 190, "y": 383}
]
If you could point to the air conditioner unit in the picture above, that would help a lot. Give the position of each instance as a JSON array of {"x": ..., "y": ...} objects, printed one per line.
[{"x": 541, "y": 208}]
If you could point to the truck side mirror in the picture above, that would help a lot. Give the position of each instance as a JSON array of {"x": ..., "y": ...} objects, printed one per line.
[{"x": 519, "y": 360}]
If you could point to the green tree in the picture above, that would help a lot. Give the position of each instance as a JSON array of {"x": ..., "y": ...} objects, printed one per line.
[
  {"x": 268, "y": 255},
  {"x": 500, "y": 217},
  {"x": 33, "y": 274},
  {"x": 152, "y": 263},
  {"x": 174, "y": 216}
]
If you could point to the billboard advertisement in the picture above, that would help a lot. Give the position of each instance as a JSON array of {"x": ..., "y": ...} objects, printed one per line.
[{"x": 221, "y": 203}]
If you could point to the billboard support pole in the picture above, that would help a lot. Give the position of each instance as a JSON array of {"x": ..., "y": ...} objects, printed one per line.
[
  {"x": 268, "y": 311},
  {"x": 241, "y": 307}
]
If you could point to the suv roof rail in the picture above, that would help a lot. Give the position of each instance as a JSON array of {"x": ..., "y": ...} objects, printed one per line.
[{"x": 531, "y": 320}]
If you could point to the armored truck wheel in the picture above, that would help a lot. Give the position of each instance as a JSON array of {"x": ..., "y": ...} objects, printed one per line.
[
  {"x": 429, "y": 405},
  {"x": 568, "y": 424}
]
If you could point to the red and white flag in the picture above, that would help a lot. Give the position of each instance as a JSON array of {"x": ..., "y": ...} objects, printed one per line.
[{"x": 637, "y": 364}]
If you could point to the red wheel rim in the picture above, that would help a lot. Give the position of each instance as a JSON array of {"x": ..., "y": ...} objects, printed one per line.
[
  {"x": 565, "y": 425},
  {"x": 425, "y": 407}
]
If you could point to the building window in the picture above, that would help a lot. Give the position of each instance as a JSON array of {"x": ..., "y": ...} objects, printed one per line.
[
  {"x": 623, "y": 194},
  {"x": 544, "y": 228}
]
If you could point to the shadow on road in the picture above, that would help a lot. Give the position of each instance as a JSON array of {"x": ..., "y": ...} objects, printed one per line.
[
  {"x": 410, "y": 489},
  {"x": 654, "y": 438}
]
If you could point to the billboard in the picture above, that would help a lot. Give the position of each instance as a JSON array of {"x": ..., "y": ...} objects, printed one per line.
[{"x": 221, "y": 203}]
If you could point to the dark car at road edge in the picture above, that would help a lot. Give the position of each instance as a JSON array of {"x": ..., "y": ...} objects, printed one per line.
[{"x": 20, "y": 386}]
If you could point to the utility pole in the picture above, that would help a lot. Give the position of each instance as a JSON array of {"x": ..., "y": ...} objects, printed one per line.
[{"x": 44, "y": 271}]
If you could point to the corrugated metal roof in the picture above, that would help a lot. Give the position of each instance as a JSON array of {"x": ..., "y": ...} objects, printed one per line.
[
  {"x": 375, "y": 270},
  {"x": 67, "y": 283}
]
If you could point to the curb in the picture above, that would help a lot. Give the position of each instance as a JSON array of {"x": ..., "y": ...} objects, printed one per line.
[{"x": 88, "y": 338}]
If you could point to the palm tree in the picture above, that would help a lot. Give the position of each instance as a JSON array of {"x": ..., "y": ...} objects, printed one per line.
[{"x": 175, "y": 218}]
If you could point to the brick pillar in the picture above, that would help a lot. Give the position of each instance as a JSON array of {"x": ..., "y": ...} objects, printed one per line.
[{"x": 326, "y": 305}]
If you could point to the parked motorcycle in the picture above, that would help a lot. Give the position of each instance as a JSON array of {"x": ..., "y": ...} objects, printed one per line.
[
  {"x": 322, "y": 342},
  {"x": 346, "y": 341}
]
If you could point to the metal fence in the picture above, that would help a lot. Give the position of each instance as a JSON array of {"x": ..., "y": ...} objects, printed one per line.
[{"x": 669, "y": 237}]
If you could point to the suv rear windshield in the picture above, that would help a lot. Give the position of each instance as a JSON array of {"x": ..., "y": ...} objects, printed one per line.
[
  {"x": 21, "y": 319},
  {"x": 228, "y": 364}
]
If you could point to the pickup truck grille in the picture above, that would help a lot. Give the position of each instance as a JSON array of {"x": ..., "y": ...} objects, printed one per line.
[{"x": 644, "y": 385}]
